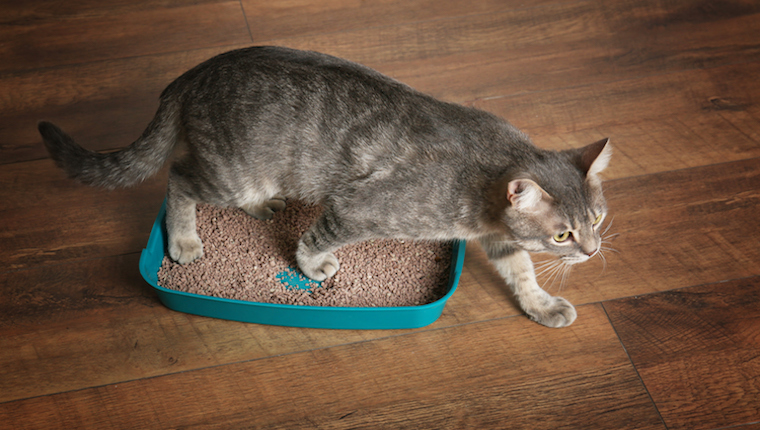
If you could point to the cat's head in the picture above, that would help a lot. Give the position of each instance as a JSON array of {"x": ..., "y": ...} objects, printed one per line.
[{"x": 557, "y": 205}]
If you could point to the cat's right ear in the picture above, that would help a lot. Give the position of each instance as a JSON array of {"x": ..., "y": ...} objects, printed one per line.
[{"x": 527, "y": 196}]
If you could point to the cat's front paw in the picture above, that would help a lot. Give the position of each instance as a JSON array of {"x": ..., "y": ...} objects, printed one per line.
[
  {"x": 318, "y": 267},
  {"x": 558, "y": 312},
  {"x": 185, "y": 249}
]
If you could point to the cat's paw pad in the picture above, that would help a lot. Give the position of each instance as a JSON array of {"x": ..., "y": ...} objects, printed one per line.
[
  {"x": 557, "y": 313},
  {"x": 319, "y": 267},
  {"x": 186, "y": 249},
  {"x": 266, "y": 210}
]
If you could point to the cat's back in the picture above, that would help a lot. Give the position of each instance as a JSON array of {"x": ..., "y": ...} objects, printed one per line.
[
  {"x": 324, "y": 119},
  {"x": 280, "y": 70}
]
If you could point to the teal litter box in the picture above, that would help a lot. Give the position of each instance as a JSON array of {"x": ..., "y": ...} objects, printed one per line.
[{"x": 404, "y": 317}]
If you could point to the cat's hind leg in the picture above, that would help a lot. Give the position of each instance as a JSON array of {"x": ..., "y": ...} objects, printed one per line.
[
  {"x": 516, "y": 267},
  {"x": 265, "y": 210},
  {"x": 184, "y": 243}
]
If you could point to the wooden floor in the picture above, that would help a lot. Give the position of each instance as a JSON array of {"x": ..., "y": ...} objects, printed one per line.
[{"x": 668, "y": 333}]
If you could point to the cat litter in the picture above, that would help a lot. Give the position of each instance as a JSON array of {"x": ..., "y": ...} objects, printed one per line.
[{"x": 249, "y": 273}]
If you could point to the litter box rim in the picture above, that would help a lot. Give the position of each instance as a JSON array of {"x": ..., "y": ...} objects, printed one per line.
[{"x": 325, "y": 317}]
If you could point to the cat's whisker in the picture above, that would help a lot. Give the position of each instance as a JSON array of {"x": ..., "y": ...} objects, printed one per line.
[
  {"x": 554, "y": 274},
  {"x": 549, "y": 268},
  {"x": 610, "y": 237},
  {"x": 604, "y": 260},
  {"x": 542, "y": 264},
  {"x": 605, "y": 245},
  {"x": 549, "y": 281},
  {"x": 546, "y": 270},
  {"x": 609, "y": 225},
  {"x": 566, "y": 268},
  {"x": 550, "y": 277}
]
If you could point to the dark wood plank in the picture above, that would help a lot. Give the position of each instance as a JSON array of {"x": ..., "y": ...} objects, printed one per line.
[
  {"x": 109, "y": 327},
  {"x": 302, "y": 17},
  {"x": 754, "y": 426},
  {"x": 696, "y": 350},
  {"x": 469, "y": 376},
  {"x": 659, "y": 123},
  {"x": 47, "y": 218},
  {"x": 535, "y": 49},
  {"x": 37, "y": 11},
  {"x": 104, "y": 105},
  {"x": 84, "y": 38}
]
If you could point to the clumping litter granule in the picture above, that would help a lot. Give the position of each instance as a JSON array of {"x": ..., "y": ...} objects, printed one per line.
[{"x": 253, "y": 260}]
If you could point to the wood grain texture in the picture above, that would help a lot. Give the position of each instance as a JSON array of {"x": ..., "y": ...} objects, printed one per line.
[
  {"x": 697, "y": 351},
  {"x": 301, "y": 17},
  {"x": 703, "y": 120},
  {"x": 103, "y": 105},
  {"x": 48, "y": 43},
  {"x": 369, "y": 384},
  {"x": 96, "y": 322},
  {"x": 47, "y": 218},
  {"x": 32, "y": 12},
  {"x": 538, "y": 48}
]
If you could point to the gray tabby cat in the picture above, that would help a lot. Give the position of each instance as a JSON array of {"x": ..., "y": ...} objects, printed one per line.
[{"x": 264, "y": 124}]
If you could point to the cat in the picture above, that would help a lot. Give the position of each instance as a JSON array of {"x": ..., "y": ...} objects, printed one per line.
[{"x": 264, "y": 124}]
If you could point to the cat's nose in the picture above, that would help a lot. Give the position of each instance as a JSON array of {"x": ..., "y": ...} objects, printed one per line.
[{"x": 591, "y": 253}]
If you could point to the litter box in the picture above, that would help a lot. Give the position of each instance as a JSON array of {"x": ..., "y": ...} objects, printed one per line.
[{"x": 402, "y": 317}]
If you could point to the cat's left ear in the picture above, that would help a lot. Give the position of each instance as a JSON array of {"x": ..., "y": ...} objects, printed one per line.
[{"x": 594, "y": 158}]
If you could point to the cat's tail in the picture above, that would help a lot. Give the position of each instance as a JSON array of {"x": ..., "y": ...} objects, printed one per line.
[{"x": 124, "y": 168}]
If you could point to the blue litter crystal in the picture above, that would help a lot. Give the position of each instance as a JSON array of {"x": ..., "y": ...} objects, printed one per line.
[{"x": 293, "y": 278}]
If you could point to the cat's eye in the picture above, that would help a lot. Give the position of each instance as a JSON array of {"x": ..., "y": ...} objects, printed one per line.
[
  {"x": 598, "y": 219},
  {"x": 561, "y": 237}
]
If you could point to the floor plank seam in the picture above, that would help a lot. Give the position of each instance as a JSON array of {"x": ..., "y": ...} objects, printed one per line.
[
  {"x": 633, "y": 366},
  {"x": 674, "y": 290},
  {"x": 737, "y": 426},
  {"x": 245, "y": 19}
]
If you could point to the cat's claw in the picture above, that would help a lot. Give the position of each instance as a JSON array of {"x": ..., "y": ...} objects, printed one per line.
[
  {"x": 319, "y": 267},
  {"x": 558, "y": 313},
  {"x": 266, "y": 210},
  {"x": 185, "y": 250}
]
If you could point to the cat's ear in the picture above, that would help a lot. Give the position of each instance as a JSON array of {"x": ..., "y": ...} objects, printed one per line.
[
  {"x": 594, "y": 158},
  {"x": 527, "y": 196}
]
